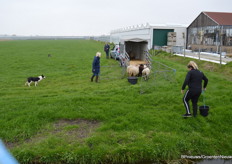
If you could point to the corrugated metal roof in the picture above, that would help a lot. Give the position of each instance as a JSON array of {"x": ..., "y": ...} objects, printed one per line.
[{"x": 221, "y": 18}]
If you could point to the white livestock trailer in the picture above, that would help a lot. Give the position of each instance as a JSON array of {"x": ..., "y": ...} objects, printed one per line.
[{"x": 135, "y": 51}]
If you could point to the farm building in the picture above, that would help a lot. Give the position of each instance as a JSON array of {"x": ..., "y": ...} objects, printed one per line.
[
  {"x": 154, "y": 35},
  {"x": 211, "y": 32}
]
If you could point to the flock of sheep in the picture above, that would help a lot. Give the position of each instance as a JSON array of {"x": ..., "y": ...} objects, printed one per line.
[{"x": 139, "y": 70}]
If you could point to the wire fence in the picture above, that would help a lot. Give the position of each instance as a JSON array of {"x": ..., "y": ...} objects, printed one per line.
[
  {"x": 158, "y": 72},
  {"x": 112, "y": 72}
]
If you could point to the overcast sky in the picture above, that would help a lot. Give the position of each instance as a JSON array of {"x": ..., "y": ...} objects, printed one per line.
[{"x": 97, "y": 17}]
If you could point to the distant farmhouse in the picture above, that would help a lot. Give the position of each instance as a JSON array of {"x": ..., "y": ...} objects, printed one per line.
[{"x": 211, "y": 32}]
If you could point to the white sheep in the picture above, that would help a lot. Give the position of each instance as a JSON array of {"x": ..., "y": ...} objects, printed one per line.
[
  {"x": 145, "y": 73},
  {"x": 132, "y": 70}
]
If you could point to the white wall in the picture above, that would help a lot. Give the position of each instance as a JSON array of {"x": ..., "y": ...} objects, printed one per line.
[
  {"x": 143, "y": 34},
  {"x": 179, "y": 36},
  {"x": 146, "y": 33}
]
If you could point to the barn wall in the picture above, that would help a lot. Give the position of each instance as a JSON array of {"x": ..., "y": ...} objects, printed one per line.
[
  {"x": 202, "y": 21},
  {"x": 204, "y": 32},
  {"x": 213, "y": 49}
]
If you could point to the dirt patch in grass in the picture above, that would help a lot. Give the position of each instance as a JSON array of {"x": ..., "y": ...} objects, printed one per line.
[
  {"x": 209, "y": 67},
  {"x": 78, "y": 129},
  {"x": 72, "y": 131}
]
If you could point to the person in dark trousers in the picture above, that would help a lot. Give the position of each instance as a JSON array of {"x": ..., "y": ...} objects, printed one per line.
[
  {"x": 194, "y": 81},
  {"x": 107, "y": 49},
  {"x": 96, "y": 67}
]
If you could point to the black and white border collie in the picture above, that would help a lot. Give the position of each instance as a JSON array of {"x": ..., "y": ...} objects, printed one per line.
[{"x": 34, "y": 79}]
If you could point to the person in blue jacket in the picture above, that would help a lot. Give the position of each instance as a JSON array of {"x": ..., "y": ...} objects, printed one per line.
[
  {"x": 194, "y": 80},
  {"x": 96, "y": 67}
]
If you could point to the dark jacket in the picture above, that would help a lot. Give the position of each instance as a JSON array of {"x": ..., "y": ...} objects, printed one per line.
[
  {"x": 96, "y": 64},
  {"x": 194, "y": 80},
  {"x": 107, "y": 48}
]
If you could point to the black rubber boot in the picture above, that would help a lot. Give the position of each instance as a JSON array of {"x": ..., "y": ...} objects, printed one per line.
[
  {"x": 96, "y": 79},
  {"x": 92, "y": 78}
]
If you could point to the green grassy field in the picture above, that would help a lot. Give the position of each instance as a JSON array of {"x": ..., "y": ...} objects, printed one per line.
[{"x": 68, "y": 119}]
